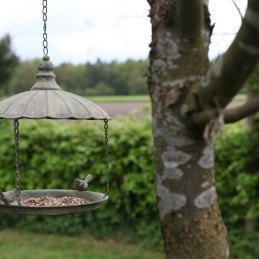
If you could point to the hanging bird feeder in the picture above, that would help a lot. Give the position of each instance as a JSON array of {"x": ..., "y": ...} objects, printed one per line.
[{"x": 46, "y": 100}]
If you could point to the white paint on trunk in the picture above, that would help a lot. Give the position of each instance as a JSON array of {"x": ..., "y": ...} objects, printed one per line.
[
  {"x": 252, "y": 18},
  {"x": 205, "y": 34},
  {"x": 217, "y": 67},
  {"x": 168, "y": 49},
  {"x": 206, "y": 198},
  {"x": 158, "y": 66},
  {"x": 207, "y": 160},
  {"x": 249, "y": 49},
  {"x": 184, "y": 109},
  {"x": 192, "y": 78},
  {"x": 171, "y": 65},
  {"x": 173, "y": 120},
  {"x": 173, "y": 138},
  {"x": 175, "y": 83},
  {"x": 205, "y": 184},
  {"x": 179, "y": 82},
  {"x": 227, "y": 252},
  {"x": 205, "y": 44},
  {"x": 173, "y": 158},
  {"x": 172, "y": 173},
  {"x": 205, "y": 80},
  {"x": 168, "y": 201},
  {"x": 155, "y": 95}
]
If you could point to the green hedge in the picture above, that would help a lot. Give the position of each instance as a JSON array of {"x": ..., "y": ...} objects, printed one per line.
[
  {"x": 237, "y": 174},
  {"x": 52, "y": 154},
  {"x": 237, "y": 181}
]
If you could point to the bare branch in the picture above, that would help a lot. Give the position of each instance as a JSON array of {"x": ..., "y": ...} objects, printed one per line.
[
  {"x": 150, "y": 2},
  {"x": 241, "y": 112},
  {"x": 230, "y": 115},
  {"x": 225, "y": 78},
  {"x": 191, "y": 25},
  {"x": 238, "y": 9}
]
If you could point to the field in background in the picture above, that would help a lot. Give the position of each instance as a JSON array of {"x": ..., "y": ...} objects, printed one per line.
[
  {"x": 28, "y": 245},
  {"x": 139, "y": 98},
  {"x": 133, "y": 98},
  {"x": 124, "y": 104},
  {"x": 119, "y": 98}
]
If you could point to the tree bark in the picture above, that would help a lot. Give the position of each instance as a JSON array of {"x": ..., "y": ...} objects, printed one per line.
[{"x": 191, "y": 222}]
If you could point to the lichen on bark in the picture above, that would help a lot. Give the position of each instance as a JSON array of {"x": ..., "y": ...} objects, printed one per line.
[{"x": 190, "y": 218}]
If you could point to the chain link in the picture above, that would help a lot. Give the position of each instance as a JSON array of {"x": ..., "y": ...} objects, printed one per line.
[
  {"x": 45, "y": 36},
  {"x": 106, "y": 156},
  {"x": 17, "y": 162}
]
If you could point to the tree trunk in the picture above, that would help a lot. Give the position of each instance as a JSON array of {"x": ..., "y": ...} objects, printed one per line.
[
  {"x": 191, "y": 221},
  {"x": 188, "y": 101}
]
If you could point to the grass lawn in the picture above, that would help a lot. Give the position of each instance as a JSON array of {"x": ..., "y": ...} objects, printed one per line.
[
  {"x": 134, "y": 98},
  {"x": 29, "y": 245}
]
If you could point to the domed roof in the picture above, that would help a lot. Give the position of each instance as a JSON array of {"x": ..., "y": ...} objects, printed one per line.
[{"x": 47, "y": 100}]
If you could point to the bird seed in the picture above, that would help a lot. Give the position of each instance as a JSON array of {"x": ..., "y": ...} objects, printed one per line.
[{"x": 51, "y": 201}]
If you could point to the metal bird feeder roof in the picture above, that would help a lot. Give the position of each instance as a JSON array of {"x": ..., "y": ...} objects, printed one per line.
[{"x": 47, "y": 100}]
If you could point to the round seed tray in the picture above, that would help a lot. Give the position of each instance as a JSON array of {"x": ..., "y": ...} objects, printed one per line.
[{"x": 94, "y": 198}]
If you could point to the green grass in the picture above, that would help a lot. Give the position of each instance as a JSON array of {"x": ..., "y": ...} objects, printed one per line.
[
  {"x": 28, "y": 245},
  {"x": 136, "y": 98},
  {"x": 119, "y": 98}
]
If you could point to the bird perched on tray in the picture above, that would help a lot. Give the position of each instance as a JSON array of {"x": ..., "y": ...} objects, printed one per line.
[
  {"x": 82, "y": 185},
  {"x": 8, "y": 197}
]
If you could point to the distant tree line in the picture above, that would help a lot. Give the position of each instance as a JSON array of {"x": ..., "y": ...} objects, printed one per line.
[
  {"x": 100, "y": 78},
  {"x": 8, "y": 60}
]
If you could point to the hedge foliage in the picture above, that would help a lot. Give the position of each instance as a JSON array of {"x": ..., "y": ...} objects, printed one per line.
[
  {"x": 52, "y": 154},
  {"x": 237, "y": 174},
  {"x": 237, "y": 181}
]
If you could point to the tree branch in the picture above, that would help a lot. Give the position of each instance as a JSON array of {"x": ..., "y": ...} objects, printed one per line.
[
  {"x": 230, "y": 115},
  {"x": 238, "y": 9},
  {"x": 241, "y": 112},
  {"x": 230, "y": 71},
  {"x": 191, "y": 25},
  {"x": 150, "y": 2}
]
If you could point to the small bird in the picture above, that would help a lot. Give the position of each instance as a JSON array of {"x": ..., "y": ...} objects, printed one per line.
[
  {"x": 82, "y": 185},
  {"x": 8, "y": 197}
]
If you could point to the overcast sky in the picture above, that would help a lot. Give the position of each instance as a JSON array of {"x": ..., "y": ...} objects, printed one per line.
[{"x": 84, "y": 30}]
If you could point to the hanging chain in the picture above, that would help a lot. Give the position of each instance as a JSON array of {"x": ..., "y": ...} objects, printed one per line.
[
  {"x": 45, "y": 36},
  {"x": 106, "y": 156},
  {"x": 17, "y": 162}
]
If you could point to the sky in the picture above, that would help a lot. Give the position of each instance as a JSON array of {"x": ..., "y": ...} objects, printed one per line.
[{"x": 81, "y": 31}]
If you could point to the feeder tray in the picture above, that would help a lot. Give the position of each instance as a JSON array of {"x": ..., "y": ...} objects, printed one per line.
[
  {"x": 94, "y": 203},
  {"x": 46, "y": 100}
]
